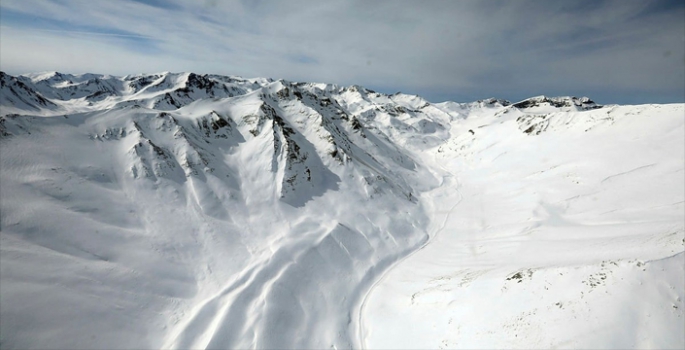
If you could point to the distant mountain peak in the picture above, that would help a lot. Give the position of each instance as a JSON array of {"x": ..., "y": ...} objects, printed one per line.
[{"x": 584, "y": 103}]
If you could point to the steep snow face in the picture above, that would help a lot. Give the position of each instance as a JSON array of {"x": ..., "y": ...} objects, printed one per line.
[{"x": 179, "y": 210}]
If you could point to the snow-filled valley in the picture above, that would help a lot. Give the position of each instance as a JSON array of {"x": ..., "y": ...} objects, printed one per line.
[{"x": 203, "y": 211}]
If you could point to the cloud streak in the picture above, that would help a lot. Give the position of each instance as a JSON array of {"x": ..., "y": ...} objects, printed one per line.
[{"x": 615, "y": 51}]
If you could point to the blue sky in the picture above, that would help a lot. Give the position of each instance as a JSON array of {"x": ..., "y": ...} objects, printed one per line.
[{"x": 618, "y": 51}]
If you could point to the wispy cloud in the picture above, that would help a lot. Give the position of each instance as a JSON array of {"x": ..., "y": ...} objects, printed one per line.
[{"x": 614, "y": 50}]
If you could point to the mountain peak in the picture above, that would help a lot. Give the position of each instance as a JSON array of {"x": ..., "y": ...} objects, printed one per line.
[{"x": 557, "y": 102}]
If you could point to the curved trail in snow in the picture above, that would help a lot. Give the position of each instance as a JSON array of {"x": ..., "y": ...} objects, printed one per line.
[{"x": 431, "y": 238}]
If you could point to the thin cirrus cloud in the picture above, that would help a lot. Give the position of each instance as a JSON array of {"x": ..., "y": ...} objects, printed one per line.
[{"x": 616, "y": 51}]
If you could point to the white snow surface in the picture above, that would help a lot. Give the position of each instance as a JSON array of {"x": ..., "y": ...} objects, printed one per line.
[{"x": 177, "y": 210}]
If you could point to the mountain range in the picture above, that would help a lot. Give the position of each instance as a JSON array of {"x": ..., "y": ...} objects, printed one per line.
[{"x": 179, "y": 210}]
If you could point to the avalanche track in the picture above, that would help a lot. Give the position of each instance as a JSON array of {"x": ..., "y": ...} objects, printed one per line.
[{"x": 430, "y": 198}]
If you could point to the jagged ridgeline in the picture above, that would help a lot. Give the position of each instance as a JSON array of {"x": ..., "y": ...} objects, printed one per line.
[{"x": 182, "y": 124}]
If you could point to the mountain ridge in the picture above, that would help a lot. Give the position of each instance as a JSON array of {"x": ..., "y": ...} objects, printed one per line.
[{"x": 180, "y": 86}]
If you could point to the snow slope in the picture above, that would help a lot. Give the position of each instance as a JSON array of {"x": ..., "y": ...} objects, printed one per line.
[
  {"x": 568, "y": 233},
  {"x": 177, "y": 210}
]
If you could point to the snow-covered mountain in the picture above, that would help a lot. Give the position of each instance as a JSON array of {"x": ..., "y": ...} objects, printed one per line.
[{"x": 204, "y": 211}]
